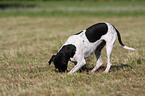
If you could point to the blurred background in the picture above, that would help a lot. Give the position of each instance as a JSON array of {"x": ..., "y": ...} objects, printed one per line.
[{"x": 48, "y": 8}]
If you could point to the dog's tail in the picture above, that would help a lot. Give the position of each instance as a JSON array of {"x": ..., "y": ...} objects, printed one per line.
[{"x": 119, "y": 39}]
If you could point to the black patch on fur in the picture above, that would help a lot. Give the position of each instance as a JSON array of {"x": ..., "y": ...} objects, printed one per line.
[
  {"x": 69, "y": 50},
  {"x": 62, "y": 57},
  {"x": 95, "y": 32}
]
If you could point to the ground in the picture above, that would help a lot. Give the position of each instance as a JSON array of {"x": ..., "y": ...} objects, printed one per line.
[{"x": 27, "y": 41}]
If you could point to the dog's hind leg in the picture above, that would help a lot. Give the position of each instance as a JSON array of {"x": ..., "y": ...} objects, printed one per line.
[
  {"x": 98, "y": 56},
  {"x": 98, "y": 64},
  {"x": 109, "y": 47},
  {"x": 109, "y": 51}
]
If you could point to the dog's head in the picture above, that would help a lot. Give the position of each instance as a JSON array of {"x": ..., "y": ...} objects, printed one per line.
[
  {"x": 60, "y": 62},
  {"x": 61, "y": 59}
]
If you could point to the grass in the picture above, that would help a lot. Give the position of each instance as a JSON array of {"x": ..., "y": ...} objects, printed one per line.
[
  {"x": 28, "y": 42},
  {"x": 72, "y": 9}
]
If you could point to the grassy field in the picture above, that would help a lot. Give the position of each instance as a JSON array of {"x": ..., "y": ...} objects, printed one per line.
[
  {"x": 72, "y": 9},
  {"x": 30, "y": 35}
]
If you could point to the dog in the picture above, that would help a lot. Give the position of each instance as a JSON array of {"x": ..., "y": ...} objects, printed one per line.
[{"x": 84, "y": 44}]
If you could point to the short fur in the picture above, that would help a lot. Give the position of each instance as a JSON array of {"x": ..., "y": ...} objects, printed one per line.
[{"x": 84, "y": 44}]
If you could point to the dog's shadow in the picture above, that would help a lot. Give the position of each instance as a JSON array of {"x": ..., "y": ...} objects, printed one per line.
[{"x": 102, "y": 68}]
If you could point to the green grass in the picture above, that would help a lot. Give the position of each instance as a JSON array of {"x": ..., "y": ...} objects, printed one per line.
[
  {"x": 72, "y": 9},
  {"x": 27, "y": 43}
]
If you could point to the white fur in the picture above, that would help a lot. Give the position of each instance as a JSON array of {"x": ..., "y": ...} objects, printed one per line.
[{"x": 129, "y": 48}]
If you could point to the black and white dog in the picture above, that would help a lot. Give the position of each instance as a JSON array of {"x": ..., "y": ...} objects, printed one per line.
[{"x": 84, "y": 44}]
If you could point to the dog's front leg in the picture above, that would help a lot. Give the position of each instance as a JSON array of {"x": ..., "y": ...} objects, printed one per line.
[{"x": 78, "y": 66}]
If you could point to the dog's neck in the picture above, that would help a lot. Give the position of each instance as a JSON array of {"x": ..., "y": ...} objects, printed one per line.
[{"x": 68, "y": 51}]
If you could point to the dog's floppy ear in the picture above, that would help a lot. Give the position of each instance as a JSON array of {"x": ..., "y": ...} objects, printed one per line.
[
  {"x": 51, "y": 59},
  {"x": 72, "y": 50}
]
